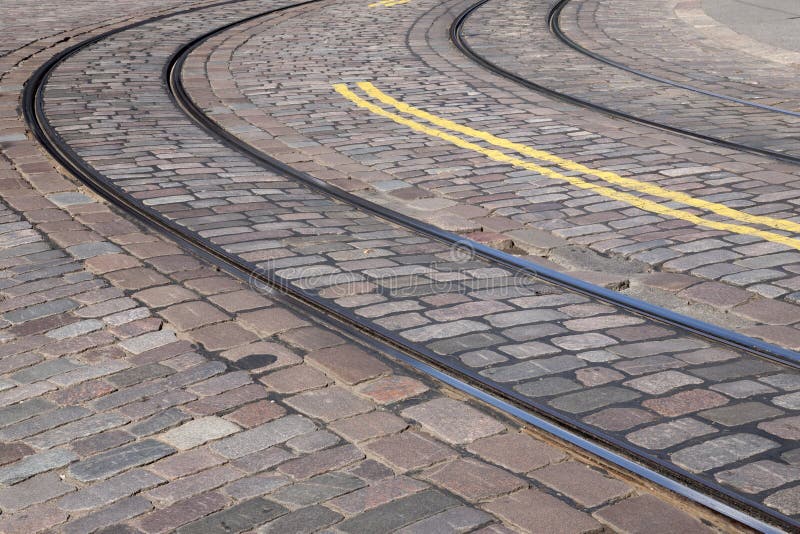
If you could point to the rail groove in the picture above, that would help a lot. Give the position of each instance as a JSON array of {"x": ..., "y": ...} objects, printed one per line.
[
  {"x": 555, "y": 26},
  {"x": 611, "y": 449},
  {"x": 457, "y": 38}
]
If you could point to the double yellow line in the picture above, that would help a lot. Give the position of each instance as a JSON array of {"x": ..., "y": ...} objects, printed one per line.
[
  {"x": 388, "y": 3},
  {"x": 447, "y": 129}
]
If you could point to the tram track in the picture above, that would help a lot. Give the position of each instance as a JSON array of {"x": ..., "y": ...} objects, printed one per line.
[
  {"x": 555, "y": 26},
  {"x": 553, "y": 15},
  {"x": 608, "y": 447}
]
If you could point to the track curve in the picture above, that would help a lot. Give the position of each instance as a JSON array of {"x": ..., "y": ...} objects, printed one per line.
[
  {"x": 389, "y": 341},
  {"x": 457, "y": 38},
  {"x": 555, "y": 26}
]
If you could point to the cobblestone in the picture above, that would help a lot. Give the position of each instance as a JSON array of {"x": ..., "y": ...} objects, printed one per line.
[
  {"x": 453, "y": 421},
  {"x": 263, "y": 436},
  {"x": 581, "y": 483},
  {"x": 533, "y": 507},
  {"x": 721, "y": 451},
  {"x": 399, "y": 513},
  {"x": 162, "y": 382},
  {"x": 198, "y": 431},
  {"x": 116, "y": 460}
]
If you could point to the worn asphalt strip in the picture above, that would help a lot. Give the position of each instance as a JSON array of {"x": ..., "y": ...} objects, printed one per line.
[{"x": 641, "y": 203}]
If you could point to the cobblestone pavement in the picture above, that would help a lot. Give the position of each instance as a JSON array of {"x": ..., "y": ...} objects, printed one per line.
[
  {"x": 558, "y": 67},
  {"x": 512, "y": 209},
  {"x": 144, "y": 391},
  {"x": 648, "y": 29},
  {"x": 625, "y": 376},
  {"x": 653, "y": 38}
]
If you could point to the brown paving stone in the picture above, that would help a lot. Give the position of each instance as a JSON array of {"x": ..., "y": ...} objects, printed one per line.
[
  {"x": 191, "y": 315},
  {"x": 228, "y": 399},
  {"x": 295, "y": 379},
  {"x": 769, "y": 311},
  {"x": 453, "y": 421},
  {"x": 617, "y": 419},
  {"x": 783, "y": 336},
  {"x": 270, "y": 321},
  {"x": 409, "y": 451},
  {"x": 685, "y": 402},
  {"x": 321, "y": 461},
  {"x": 213, "y": 285},
  {"x": 174, "y": 263},
  {"x": 136, "y": 278},
  {"x": 34, "y": 519},
  {"x": 368, "y": 426},
  {"x": 158, "y": 297},
  {"x": 329, "y": 404},
  {"x": 347, "y": 363},
  {"x": 716, "y": 294},
  {"x": 393, "y": 388},
  {"x": 311, "y": 338},
  {"x": 223, "y": 336},
  {"x": 180, "y": 513},
  {"x": 262, "y": 356},
  {"x": 531, "y": 510},
  {"x": 518, "y": 452},
  {"x": 240, "y": 300},
  {"x": 111, "y": 262},
  {"x": 669, "y": 281},
  {"x": 83, "y": 392},
  {"x": 377, "y": 494},
  {"x": 256, "y": 413},
  {"x": 473, "y": 480},
  {"x": 11, "y": 452},
  {"x": 648, "y": 514},
  {"x": 785, "y": 428},
  {"x": 581, "y": 483},
  {"x": 152, "y": 250}
]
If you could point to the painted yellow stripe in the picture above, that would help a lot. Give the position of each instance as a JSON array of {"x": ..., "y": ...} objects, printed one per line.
[
  {"x": 628, "y": 198},
  {"x": 388, "y": 3},
  {"x": 610, "y": 177}
]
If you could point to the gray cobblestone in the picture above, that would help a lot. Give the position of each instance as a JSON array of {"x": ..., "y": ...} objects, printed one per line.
[
  {"x": 116, "y": 460},
  {"x": 721, "y": 451},
  {"x": 307, "y": 519},
  {"x": 263, "y": 437},
  {"x": 666, "y": 435},
  {"x": 35, "y": 464},
  {"x": 399, "y": 513},
  {"x": 109, "y": 490}
]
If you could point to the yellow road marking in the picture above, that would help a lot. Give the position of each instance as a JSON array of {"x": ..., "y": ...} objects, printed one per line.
[
  {"x": 610, "y": 177},
  {"x": 388, "y": 3},
  {"x": 496, "y": 155}
]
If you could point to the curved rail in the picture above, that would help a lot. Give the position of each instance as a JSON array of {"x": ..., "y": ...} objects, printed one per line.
[
  {"x": 457, "y": 38},
  {"x": 648, "y": 466},
  {"x": 555, "y": 26}
]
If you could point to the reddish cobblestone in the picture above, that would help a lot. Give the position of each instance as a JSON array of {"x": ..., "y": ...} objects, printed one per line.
[
  {"x": 582, "y": 483},
  {"x": 409, "y": 451},
  {"x": 531, "y": 509},
  {"x": 392, "y": 389},
  {"x": 347, "y": 364},
  {"x": 518, "y": 452},
  {"x": 169, "y": 385},
  {"x": 473, "y": 480},
  {"x": 685, "y": 402},
  {"x": 645, "y": 513}
]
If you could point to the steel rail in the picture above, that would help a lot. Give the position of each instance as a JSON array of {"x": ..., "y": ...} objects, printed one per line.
[
  {"x": 457, "y": 38},
  {"x": 555, "y": 26},
  {"x": 579, "y": 434}
]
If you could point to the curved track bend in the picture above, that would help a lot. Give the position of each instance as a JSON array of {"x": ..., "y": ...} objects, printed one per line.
[
  {"x": 538, "y": 281},
  {"x": 553, "y": 22}
]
